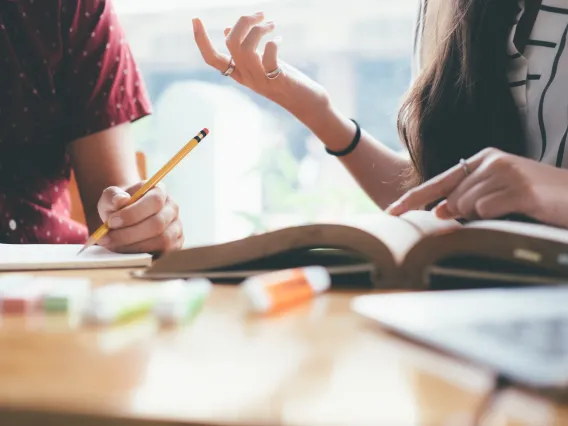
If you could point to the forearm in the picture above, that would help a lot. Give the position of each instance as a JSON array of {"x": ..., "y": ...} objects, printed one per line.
[
  {"x": 101, "y": 160},
  {"x": 377, "y": 168}
]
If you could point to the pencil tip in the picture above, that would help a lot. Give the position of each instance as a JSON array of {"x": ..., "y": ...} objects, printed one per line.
[{"x": 82, "y": 250}]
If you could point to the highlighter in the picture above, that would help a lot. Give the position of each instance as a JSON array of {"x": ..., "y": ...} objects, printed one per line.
[
  {"x": 273, "y": 291},
  {"x": 65, "y": 295},
  {"x": 179, "y": 301},
  {"x": 114, "y": 303}
]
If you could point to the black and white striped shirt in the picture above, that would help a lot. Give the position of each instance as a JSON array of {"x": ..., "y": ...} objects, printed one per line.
[{"x": 538, "y": 80}]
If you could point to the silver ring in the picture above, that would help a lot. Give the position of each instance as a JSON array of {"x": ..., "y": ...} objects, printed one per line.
[
  {"x": 273, "y": 74},
  {"x": 464, "y": 166},
  {"x": 230, "y": 69}
]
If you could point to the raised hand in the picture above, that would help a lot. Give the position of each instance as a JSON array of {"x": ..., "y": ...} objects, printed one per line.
[{"x": 265, "y": 74}]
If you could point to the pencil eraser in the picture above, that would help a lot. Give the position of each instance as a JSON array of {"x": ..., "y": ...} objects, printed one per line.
[{"x": 206, "y": 130}]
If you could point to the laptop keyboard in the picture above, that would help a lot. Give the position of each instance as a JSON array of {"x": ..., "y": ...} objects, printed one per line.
[{"x": 547, "y": 338}]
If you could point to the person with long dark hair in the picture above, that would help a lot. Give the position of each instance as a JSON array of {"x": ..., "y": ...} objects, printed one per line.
[{"x": 484, "y": 122}]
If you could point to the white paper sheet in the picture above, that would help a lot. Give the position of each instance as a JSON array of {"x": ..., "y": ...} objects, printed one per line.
[{"x": 17, "y": 257}]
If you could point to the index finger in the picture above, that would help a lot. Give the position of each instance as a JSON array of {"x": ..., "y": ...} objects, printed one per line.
[
  {"x": 210, "y": 55},
  {"x": 148, "y": 205},
  {"x": 432, "y": 190}
]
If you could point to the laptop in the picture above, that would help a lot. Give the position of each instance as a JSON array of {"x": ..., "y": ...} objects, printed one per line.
[{"x": 519, "y": 333}]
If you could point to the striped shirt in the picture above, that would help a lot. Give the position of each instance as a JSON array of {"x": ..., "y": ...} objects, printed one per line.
[{"x": 538, "y": 79}]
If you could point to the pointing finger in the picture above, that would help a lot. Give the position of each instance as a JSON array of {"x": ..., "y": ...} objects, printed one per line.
[{"x": 435, "y": 189}]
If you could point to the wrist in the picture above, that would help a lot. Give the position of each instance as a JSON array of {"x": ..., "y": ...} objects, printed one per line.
[{"x": 330, "y": 126}]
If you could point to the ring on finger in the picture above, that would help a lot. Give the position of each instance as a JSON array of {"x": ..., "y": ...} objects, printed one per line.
[
  {"x": 465, "y": 167},
  {"x": 230, "y": 68},
  {"x": 274, "y": 74}
]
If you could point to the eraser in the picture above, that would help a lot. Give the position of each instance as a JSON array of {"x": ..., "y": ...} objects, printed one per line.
[
  {"x": 179, "y": 301},
  {"x": 23, "y": 297},
  {"x": 65, "y": 294}
]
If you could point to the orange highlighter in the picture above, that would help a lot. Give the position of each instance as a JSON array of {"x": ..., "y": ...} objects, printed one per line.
[{"x": 273, "y": 291}]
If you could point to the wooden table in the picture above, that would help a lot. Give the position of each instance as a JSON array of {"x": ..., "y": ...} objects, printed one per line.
[{"x": 317, "y": 364}]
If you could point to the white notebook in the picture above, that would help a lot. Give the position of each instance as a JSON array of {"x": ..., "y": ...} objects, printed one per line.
[{"x": 20, "y": 257}]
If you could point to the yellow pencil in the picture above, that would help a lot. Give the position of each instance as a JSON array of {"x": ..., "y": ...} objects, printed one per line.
[{"x": 151, "y": 183}]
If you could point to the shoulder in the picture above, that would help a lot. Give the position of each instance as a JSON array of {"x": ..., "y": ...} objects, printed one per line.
[
  {"x": 57, "y": 8},
  {"x": 82, "y": 14},
  {"x": 38, "y": 12},
  {"x": 85, "y": 9},
  {"x": 47, "y": 17}
]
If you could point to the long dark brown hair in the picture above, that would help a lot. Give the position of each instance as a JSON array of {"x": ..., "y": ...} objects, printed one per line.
[{"x": 461, "y": 102}]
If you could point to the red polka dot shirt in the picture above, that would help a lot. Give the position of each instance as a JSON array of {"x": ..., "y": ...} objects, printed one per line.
[{"x": 66, "y": 71}]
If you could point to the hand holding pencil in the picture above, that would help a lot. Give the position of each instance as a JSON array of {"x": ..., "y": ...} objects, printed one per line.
[{"x": 142, "y": 218}]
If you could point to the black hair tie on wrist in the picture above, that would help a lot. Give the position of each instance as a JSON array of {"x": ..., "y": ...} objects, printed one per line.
[{"x": 351, "y": 146}]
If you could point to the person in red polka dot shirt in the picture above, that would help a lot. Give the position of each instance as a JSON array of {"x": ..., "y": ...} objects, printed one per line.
[{"x": 69, "y": 89}]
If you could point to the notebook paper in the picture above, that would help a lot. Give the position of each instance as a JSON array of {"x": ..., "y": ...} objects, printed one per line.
[{"x": 22, "y": 257}]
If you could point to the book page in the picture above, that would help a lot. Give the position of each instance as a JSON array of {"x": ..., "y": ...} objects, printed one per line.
[
  {"x": 398, "y": 234},
  {"x": 401, "y": 233},
  {"x": 526, "y": 229},
  {"x": 64, "y": 256},
  {"x": 428, "y": 223}
]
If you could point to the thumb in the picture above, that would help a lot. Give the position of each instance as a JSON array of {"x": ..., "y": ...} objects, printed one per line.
[{"x": 112, "y": 199}]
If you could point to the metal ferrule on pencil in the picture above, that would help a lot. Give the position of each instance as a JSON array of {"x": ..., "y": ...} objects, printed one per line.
[{"x": 200, "y": 136}]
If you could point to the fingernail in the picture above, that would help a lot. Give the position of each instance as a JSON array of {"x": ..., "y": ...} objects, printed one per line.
[
  {"x": 269, "y": 23},
  {"x": 392, "y": 207},
  {"x": 260, "y": 13},
  {"x": 119, "y": 197},
  {"x": 115, "y": 222},
  {"x": 441, "y": 211},
  {"x": 195, "y": 24},
  {"x": 441, "y": 214},
  {"x": 104, "y": 241}
]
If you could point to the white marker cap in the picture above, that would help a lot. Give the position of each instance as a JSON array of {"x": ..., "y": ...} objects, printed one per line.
[{"x": 318, "y": 277}]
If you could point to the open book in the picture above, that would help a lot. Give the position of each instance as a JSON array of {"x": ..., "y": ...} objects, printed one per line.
[
  {"x": 398, "y": 252},
  {"x": 24, "y": 257}
]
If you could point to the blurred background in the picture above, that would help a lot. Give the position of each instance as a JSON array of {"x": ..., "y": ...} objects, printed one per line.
[{"x": 260, "y": 168}]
